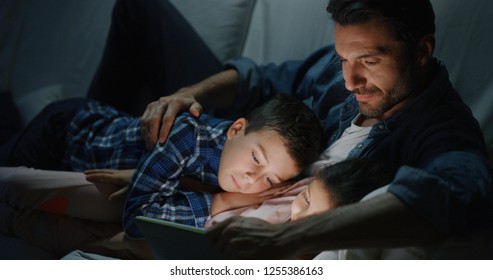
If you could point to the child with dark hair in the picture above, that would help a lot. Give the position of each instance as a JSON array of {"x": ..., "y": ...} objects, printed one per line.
[{"x": 343, "y": 183}]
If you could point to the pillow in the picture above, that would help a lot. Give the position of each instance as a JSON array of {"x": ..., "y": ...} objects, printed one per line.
[
  {"x": 221, "y": 24},
  {"x": 282, "y": 30},
  {"x": 50, "y": 49},
  {"x": 30, "y": 104}
]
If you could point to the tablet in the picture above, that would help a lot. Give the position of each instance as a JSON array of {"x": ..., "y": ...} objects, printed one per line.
[{"x": 173, "y": 241}]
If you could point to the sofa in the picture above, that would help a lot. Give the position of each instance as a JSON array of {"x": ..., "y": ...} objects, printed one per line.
[{"x": 50, "y": 50}]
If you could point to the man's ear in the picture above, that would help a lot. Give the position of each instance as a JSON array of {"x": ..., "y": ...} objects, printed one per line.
[
  {"x": 426, "y": 47},
  {"x": 237, "y": 127}
]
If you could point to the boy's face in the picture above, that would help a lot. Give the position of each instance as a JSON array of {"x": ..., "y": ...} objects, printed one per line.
[
  {"x": 313, "y": 200},
  {"x": 254, "y": 162}
]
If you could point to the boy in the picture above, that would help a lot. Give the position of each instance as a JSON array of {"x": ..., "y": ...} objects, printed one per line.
[{"x": 249, "y": 155}]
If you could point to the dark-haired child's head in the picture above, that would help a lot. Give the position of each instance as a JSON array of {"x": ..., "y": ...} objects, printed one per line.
[
  {"x": 272, "y": 144},
  {"x": 343, "y": 183}
]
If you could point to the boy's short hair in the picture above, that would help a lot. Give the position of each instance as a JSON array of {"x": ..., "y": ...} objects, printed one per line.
[
  {"x": 297, "y": 124},
  {"x": 350, "y": 180}
]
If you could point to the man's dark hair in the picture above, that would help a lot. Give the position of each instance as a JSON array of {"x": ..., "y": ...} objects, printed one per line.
[
  {"x": 408, "y": 20},
  {"x": 294, "y": 122},
  {"x": 350, "y": 180}
]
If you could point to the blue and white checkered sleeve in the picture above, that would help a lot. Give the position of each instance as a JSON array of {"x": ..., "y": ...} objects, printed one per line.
[{"x": 154, "y": 188}]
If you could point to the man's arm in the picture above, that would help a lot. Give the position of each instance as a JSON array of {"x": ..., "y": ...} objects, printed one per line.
[
  {"x": 244, "y": 85},
  {"x": 383, "y": 221},
  {"x": 217, "y": 91}
]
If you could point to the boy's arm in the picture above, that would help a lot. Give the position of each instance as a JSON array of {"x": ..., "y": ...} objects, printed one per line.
[
  {"x": 195, "y": 185},
  {"x": 154, "y": 190},
  {"x": 225, "y": 201}
]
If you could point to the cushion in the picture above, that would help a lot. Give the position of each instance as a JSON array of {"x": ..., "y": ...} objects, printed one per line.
[
  {"x": 222, "y": 24},
  {"x": 51, "y": 47},
  {"x": 287, "y": 29}
]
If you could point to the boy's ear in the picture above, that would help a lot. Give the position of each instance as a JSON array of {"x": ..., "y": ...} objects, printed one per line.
[{"x": 237, "y": 127}]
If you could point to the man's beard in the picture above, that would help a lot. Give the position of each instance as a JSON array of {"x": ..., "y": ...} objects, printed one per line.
[{"x": 396, "y": 95}]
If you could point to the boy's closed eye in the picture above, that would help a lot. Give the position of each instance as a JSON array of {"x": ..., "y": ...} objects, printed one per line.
[
  {"x": 255, "y": 158},
  {"x": 268, "y": 178}
]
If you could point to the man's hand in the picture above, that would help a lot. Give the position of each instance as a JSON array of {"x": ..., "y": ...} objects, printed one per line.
[
  {"x": 249, "y": 238},
  {"x": 217, "y": 91},
  {"x": 158, "y": 118}
]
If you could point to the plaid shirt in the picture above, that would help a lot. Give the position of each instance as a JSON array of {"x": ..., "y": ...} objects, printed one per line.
[{"x": 102, "y": 137}]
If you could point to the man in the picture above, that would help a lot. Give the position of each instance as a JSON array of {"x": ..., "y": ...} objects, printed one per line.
[{"x": 402, "y": 109}]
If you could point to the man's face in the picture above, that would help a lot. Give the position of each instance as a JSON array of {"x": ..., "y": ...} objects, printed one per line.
[
  {"x": 376, "y": 67},
  {"x": 313, "y": 200},
  {"x": 254, "y": 162}
]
